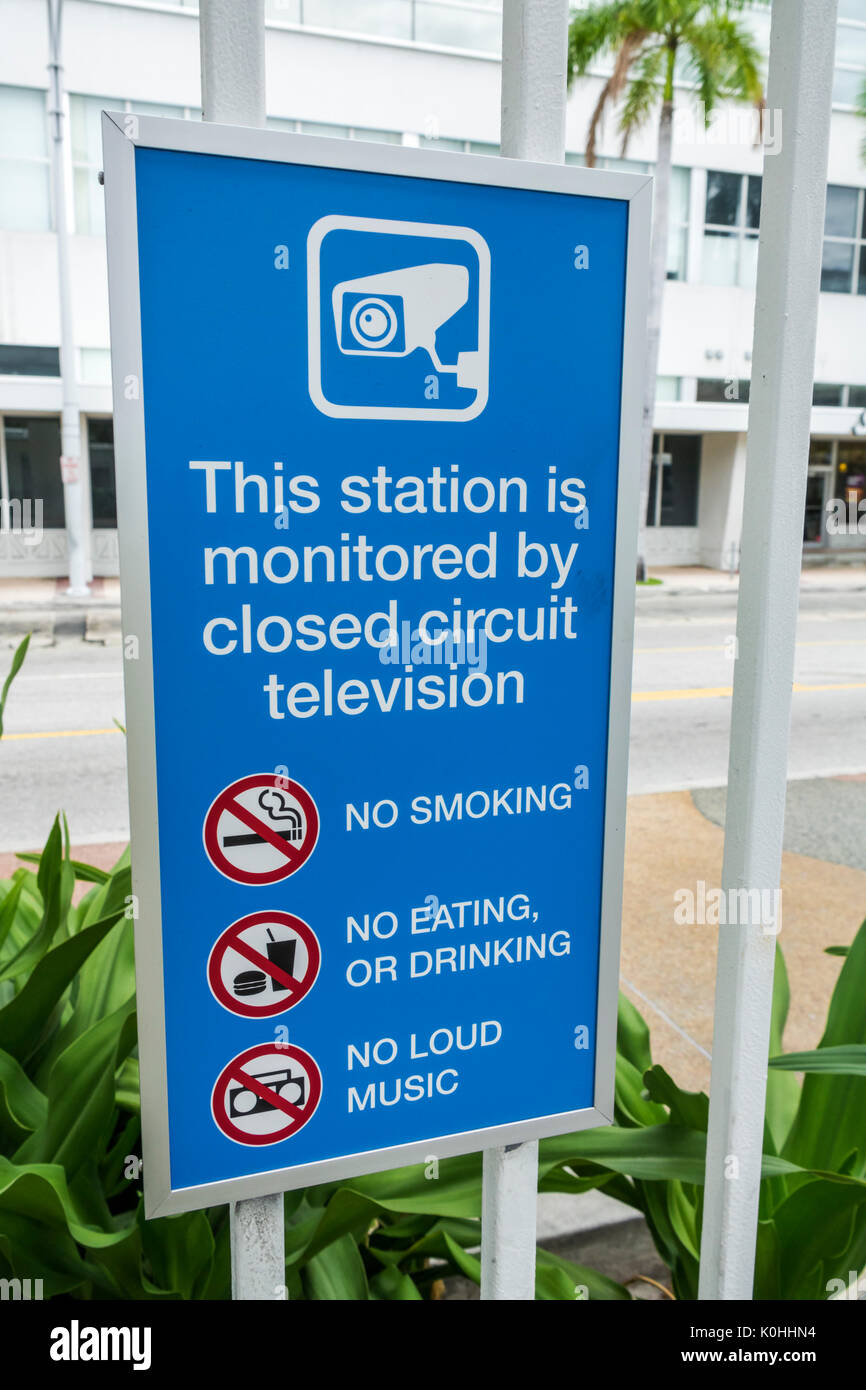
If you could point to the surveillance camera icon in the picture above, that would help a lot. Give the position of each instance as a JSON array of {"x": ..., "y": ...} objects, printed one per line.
[
  {"x": 407, "y": 342},
  {"x": 394, "y": 313}
]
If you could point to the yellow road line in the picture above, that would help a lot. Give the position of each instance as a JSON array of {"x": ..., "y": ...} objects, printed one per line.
[
  {"x": 711, "y": 692},
  {"x": 61, "y": 733}
]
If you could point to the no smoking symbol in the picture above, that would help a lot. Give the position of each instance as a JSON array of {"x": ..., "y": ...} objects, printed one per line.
[
  {"x": 266, "y": 1094},
  {"x": 261, "y": 829},
  {"x": 263, "y": 964}
]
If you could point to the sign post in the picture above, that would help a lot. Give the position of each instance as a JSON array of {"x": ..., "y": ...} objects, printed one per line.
[
  {"x": 378, "y": 601},
  {"x": 534, "y": 87},
  {"x": 802, "y": 46}
]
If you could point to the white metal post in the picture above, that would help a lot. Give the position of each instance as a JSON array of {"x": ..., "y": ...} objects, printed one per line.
[
  {"x": 77, "y": 530},
  {"x": 258, "y": 1247},
  {"x": 802, "y": 46},
  {"x": 534, "y": 59},
  {"x": 232, "y": 42}
]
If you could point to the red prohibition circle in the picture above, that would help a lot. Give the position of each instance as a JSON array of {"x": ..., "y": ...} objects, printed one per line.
[
  {"x": 296, "y": 1116},
  {"x": 260, "y": 829},
  {"x": 294, "y": 988}
]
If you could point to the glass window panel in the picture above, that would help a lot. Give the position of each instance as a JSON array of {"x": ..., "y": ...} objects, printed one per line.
[
  {"x": 857, "y": 396},
  {"x": 340, "y": 132},
  {"x": 479, "y": 147},
  {"x": 846, "y": 87},
  {"x": 96, "y": 366},
  {"x": 280, "y": 123},
  {"x": 29, "y": 361},
  {"x": 152, "y": 108},
  {"x": 723, "y": 199},
  {"x": 748, "y": 270},
  {"x": 89, "y": 202},
  {"x": 667, "y": 388},
  {"x": 283, "y": 11},
  {"x": 430, "y": 142},
  {"x": 861, "y": 278},
  {"x": 824, "y": 393},
  {"x": 33, "y": 461},
  {"x": 25, "y": 195},
  {"x": 820, "y": 451},
  {"x": 100, "y": 444},
  {"x": 836, "y": 266},
  {"x": 852, "y": 9},
  {"x": 677, "y": 240},
  {"x": 679, "y": 199},
  {"x": 720, "y": 258},
  {"x": 23, "y": 123},
  {"x": 851, "y": 46},
  {"x": 454, "y": 27},
  {"x": 753, "y": 200},
  {"x": 85, "y": 129},
  {"x": 840, "y": 218},
  {"x": 624, "y": 166},
  {"x": 383, "y": 137},
  {"x": 391, "y": 18}
]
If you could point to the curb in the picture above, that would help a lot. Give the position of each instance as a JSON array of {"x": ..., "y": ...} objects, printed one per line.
[{"x": 97, "y": 623}]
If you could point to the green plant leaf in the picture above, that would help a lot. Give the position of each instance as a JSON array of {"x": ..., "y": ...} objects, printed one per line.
[
  {"x": 829, "y": 1123},
  {"x": 80, "y": 1093},
  {"x": 561, "y": 1279},
  {"x": 783, "y": 1092},
  {"x": 846, "y": 1059},
  {"x": 337, "y": 1273},
  {"x": 23, "y": 1107},
  {"x": 23, "y": 1020},
  {"x": 393, "y": 1286},
  {"x": 17, "y": 663}
]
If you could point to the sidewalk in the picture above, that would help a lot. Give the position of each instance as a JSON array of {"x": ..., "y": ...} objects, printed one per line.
[
  {"x": 695, "y": 579},
  {"x": 43, "y": 607}
]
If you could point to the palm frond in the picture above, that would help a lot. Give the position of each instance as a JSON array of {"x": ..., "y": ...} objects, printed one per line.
[
  {"x": 611, "y": 91},
  {"x": 644, "y": 92}
]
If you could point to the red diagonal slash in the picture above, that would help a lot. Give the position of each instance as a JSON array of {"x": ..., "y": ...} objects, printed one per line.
[
  {"x": 252, "y": 822},
  {"x": 250, "y": 1083},
  {"x": 265, "y": 963}
]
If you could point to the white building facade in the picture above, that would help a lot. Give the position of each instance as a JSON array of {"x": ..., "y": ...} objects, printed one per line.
[{"x": 421, "y": 73}]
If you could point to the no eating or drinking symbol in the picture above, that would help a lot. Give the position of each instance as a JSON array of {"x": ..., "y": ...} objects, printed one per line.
[
  {"x": 263, "y": 964},
  {"x": 261, "y": 829},
  {"x": 266, "y": 1094}
]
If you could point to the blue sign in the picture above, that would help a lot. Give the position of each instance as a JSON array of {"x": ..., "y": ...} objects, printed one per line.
[{"x": 381, "y": 417}]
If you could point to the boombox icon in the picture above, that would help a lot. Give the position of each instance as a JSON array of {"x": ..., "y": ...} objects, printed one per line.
[{"x": 292, "y": 1088}]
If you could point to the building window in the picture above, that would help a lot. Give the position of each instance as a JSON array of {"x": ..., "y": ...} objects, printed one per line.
[
  {"x": 340, "y": 132},
  {"x": 472, "y": 25},
  {"x": 25, "y": 166},
  {"x": 723, "y": 388},
  {"x": 85, "y": 121},
  {"x": 29, "y": 361},
  {"x": 843, "y": 265},
  {"x": 825, "y": 393},
  {"x": 435, "y": 142},
  {"x": 674, "y": 480},
  {"x": 100, "y": 447},
  {"x": 678, "y": 232},
  {"x": 33, "y": 463},
  {"x": 732, "y": 215}
]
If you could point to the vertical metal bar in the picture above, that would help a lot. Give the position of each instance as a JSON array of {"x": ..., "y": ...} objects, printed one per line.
[
  {"x": 232, "y": 41},
  {"x": 786, "y": 310},
  {"x": 508, "y": 1201},
  {"x": 534, "y": 56},
  {"x": 77, "y": 527},
  {"x": 258, "y": 1249}
]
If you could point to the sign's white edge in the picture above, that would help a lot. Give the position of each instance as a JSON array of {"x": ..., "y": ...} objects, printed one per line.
[{"x": 120, "y": 138}]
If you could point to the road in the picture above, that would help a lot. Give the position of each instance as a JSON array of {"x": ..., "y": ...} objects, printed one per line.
[{"x": 62, "y": 749}]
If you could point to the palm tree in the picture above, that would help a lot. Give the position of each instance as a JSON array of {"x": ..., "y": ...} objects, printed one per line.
[{"x": 697, "y": 44}]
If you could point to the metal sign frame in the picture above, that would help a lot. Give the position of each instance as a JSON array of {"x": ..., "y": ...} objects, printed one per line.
[{"x": 121, "y": 135}]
